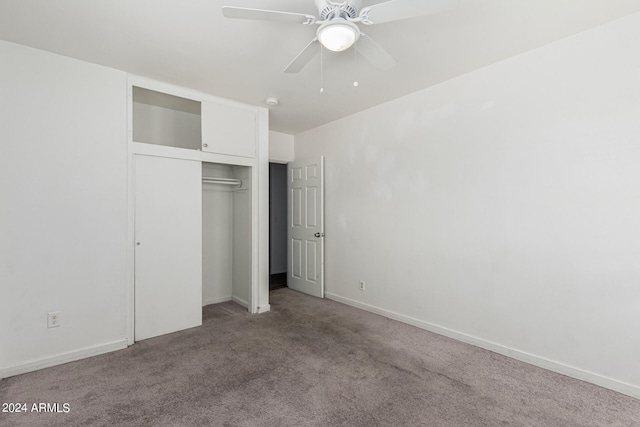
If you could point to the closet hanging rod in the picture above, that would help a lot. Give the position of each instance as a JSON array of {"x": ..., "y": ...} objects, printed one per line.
[{"x": 225, "y": 181}]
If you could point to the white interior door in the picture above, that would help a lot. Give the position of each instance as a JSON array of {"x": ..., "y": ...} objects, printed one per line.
[
  {"x": 305, "y": 185},
  {"x": 168, "y": 251}
]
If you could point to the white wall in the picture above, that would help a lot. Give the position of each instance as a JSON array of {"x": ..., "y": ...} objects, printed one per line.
[
  {"x": 281, "y": 147},
  {"x": 502, "y": 207},
  {"x": 63, "y": 169},
  {"x": 242, "y": 235},
  {"x": 217, "y": 236}
]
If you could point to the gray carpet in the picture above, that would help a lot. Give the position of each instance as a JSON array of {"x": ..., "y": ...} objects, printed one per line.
[{"x": 309, "y": 362}]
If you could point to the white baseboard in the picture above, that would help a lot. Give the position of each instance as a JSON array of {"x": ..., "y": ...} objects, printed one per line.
[
  {"x": 240, "y": 301},
  {"x": 61, "y": 358},
  {"x": 590, "y": 377},
  {"x": 261, "y": 309},
  {"x": 264, "y": 308},
  {"x": 216, "y": 300}
]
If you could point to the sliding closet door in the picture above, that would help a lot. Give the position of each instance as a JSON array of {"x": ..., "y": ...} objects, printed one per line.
[{"x": 168, "y": 251}]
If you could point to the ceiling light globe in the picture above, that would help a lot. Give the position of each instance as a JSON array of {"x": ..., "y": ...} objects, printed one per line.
[{"x": 338, "y": 35}]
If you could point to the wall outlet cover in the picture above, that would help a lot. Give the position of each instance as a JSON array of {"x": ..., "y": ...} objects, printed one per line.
[{"x": 53, "y": 319}]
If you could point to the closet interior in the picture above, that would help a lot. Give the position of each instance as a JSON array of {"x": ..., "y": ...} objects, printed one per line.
[{"x": 226, "y": 233}]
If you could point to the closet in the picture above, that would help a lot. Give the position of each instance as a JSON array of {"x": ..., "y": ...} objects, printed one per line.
[
  {"x": 193, "y": 163},
  {"x": 226, "y": 234}
]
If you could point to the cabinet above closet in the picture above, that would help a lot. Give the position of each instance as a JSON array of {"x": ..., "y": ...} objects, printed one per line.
[
  {"x": 163, "y": 119},
  {"x": 195, "y": 123},
  {"x": 228, "y": 130}
]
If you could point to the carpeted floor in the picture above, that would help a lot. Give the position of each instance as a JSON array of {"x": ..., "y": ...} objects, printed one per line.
[{"x": 309, "y": 362}]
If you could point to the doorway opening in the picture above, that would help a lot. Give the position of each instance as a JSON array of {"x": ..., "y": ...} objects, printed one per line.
[{"x": 277, "y": 226}]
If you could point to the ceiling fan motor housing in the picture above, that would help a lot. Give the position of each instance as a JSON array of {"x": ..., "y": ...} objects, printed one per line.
[{"x": 328, "y": 9}]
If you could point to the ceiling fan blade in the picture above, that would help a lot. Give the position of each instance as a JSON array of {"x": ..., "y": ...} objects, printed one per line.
[
  {"x": 374, "y": 53},
  {"x": 396, "y": 10},
  {"x": 303, "y": 57},
  {"x": 267, "y": 15}
]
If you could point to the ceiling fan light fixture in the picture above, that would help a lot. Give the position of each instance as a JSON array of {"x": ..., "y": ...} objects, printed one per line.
[{"x": 338, "y": 34}]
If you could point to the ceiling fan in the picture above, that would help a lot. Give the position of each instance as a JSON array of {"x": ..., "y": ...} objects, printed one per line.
[{"x": 338, "y": 29}]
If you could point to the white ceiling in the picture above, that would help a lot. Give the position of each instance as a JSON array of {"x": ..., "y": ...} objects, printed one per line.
[{"x": 189, "y": 43}]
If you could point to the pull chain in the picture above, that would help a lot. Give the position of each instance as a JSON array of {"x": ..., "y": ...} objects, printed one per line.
[
  {"x": 355, "y": 63},
  {"x": 321, "y": 69}
]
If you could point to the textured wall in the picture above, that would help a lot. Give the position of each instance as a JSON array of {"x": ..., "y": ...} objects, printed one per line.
[
  {"x": 501, "y": 207},
  {"x": 63, "y": 175}
]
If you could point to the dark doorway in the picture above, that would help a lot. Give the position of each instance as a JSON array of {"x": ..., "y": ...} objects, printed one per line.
[{"x": 277, "y": 226}]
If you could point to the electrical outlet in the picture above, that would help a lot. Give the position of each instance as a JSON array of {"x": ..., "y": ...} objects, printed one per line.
[
  {"x": 53, "y": 319},
  {"x": 361, "y": 285}
]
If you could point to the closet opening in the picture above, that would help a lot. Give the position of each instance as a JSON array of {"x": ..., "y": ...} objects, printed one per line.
[
  {"x": 277, "y": 226},
  {"x": 226, "y": 234}
]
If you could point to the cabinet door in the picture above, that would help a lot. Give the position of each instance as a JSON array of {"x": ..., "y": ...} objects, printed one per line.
[
  {"x": 228, "y": 130},
  {"x": 168, "y": 251}
]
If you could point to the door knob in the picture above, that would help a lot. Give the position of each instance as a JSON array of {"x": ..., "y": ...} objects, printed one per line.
[{"x": 319, "y": 234}]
